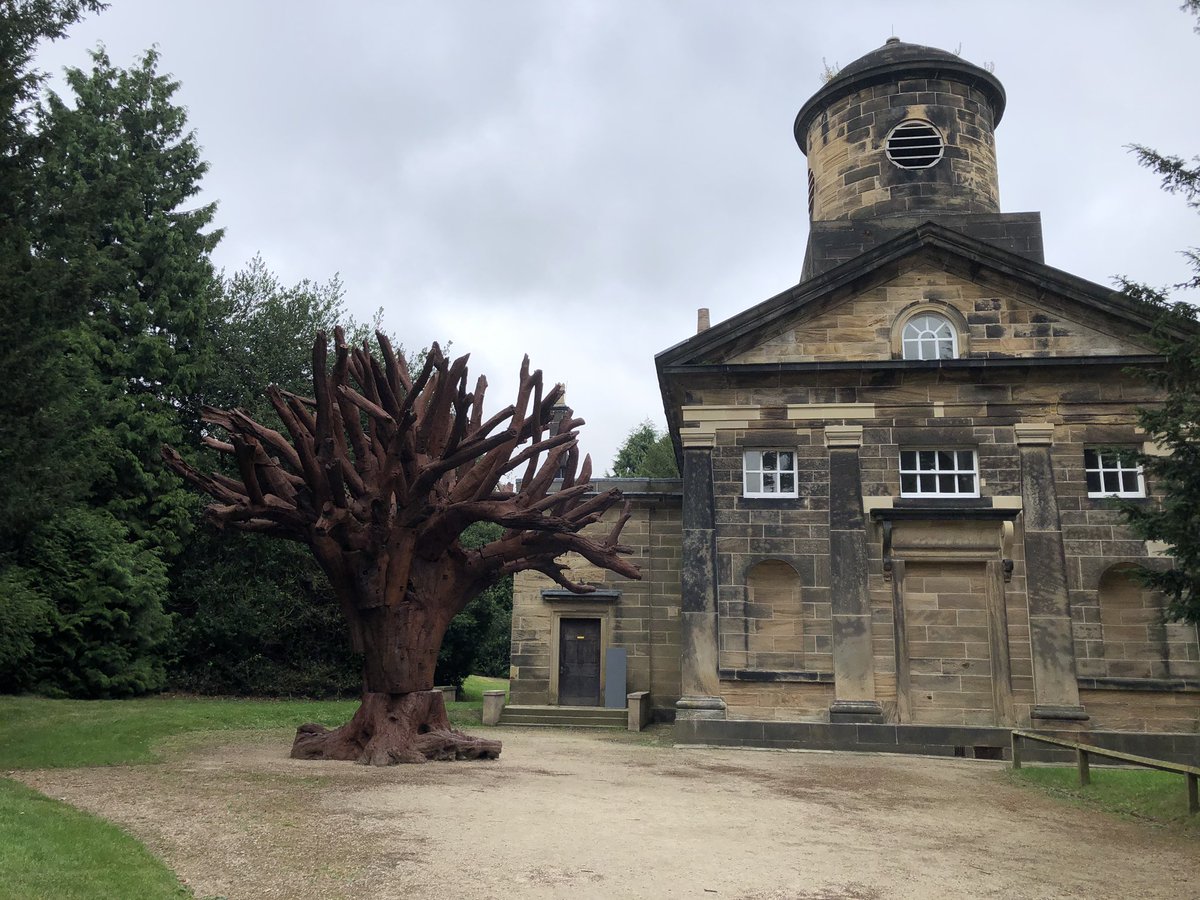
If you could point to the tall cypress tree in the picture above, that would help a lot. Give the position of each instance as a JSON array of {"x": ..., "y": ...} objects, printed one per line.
[
  {"x": 38, "y": 455},
  {"x": 121, "y": 269},
  {"x": 119, "y": 177}
]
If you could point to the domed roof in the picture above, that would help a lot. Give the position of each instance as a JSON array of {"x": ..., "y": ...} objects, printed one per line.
[
  {"x": 893, "y": 51},
  {"x": 896, "y": 60}
]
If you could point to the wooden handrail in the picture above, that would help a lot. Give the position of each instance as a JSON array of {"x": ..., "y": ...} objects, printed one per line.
[{"x": 1083, "y": 752}]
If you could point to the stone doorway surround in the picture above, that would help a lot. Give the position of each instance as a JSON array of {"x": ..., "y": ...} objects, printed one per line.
[
  {"x": 952, "y": 534},
  {"x": 598, "y": 605}
]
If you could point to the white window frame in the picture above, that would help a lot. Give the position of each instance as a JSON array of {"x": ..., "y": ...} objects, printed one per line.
[
  {"x": 930, "y": 462},
  {"x": 944, "y": 333},
  {"x": 754, "y": 464},
  {"x": 1109, "y": 462}
]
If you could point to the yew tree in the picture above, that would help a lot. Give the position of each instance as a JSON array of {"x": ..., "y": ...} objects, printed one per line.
[{"x": 379, "y": 474}]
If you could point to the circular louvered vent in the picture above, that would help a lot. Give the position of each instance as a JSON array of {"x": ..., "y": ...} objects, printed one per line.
[{"x": 914, "y": 145}]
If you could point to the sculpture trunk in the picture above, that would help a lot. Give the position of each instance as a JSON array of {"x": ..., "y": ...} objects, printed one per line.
[
  {"x": 400, "y": 646},
  {"x": 401, "y": 718},
  {"x": 397, "y": 621}
]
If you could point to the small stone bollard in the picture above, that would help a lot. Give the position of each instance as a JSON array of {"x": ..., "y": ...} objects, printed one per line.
[
  {"x": 638, "y": 704},
  {"x": 493, "y": 705}
]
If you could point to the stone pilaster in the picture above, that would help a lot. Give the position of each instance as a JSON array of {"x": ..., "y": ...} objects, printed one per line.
[
  {"x": 699, "y": 683},
  {"x": 853, "y": 661},
  {"x": 1055, "y": 687}
]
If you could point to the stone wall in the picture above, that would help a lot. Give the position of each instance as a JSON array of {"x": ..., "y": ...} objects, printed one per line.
[
  {"x": 1177, "y": 712},
  {"x": 1120, "y": 629},
  {"x": 767, "y": 673},
  {"x": 852, "y": 178},
  {"x": 759, "y": 628},
  {"x": 833, "y": 243},
  {"x": 946, "y": 622},
  {"x": 640, "y": 616},
  {"x": 779, "y": 701}
]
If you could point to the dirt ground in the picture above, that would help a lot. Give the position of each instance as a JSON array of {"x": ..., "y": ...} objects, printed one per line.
[{"x": 579, "y": 815}]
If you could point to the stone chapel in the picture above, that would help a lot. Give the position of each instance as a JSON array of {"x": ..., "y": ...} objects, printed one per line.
[{"x": 895, "y": 527}]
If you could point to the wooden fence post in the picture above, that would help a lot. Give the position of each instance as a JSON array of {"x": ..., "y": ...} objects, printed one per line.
[
  {"x": 1085, "y": 774},
  {"x": 1016, "y": 750}
]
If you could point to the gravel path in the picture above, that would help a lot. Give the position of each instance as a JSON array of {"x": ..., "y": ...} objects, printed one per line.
[{"x": 579, "y": 815}]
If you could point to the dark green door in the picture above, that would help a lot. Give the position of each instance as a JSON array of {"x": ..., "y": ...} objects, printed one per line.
[{"x": 579, "y": 662}]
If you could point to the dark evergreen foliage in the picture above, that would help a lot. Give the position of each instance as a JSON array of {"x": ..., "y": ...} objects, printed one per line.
[
  {"x": 106, "y": 280},
  {"x": 1175, "y": 425},
  {"x": 646, "y": 453},
  {"x": 117, "y": 183},
  {"x": 256, "y": 617},
  {"x": 93, "y": 599},
  {"x": 38, "y": 406},
  {"x": 25, "y": 620},
  {"x": 478, "y": 640}
]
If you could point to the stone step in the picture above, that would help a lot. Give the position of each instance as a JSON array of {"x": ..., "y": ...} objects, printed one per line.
[
  {"x": 564, "y": 716},
  {"x": 569, "y": 712},
  {"x": 528, "y": 719},
  {"x": 559, "y": 724}
]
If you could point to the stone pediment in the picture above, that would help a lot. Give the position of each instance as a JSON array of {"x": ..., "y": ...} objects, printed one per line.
[
  {"x": 1009, "y": 306},
  {"x": 997, "y": 316}
]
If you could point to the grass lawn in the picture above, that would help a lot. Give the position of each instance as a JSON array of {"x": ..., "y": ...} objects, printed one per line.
[
  {"x": 1146, "y": 794},
  {"x": 475, "y": 685},
  {"x": 36, "y": 733},
  {"x": 51, "y": 850}
]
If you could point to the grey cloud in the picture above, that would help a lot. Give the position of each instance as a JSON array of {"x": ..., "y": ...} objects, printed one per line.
[{"x": 506, "y": 174}]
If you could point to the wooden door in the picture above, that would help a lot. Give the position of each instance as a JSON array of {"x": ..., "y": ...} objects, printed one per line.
[{"x": 579, "y": 662}]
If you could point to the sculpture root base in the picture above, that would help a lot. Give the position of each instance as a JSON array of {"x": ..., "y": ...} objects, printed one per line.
[{"x": 393, "y": 728}]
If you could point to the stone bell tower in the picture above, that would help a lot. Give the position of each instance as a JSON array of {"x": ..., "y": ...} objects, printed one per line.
[{"x": 900, "y": 136}]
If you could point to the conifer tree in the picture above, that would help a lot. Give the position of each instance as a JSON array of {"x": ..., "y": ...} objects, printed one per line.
[
  {"x": 1175, "y": 424},
  {"x": 118, "y": 214},
  {"x": 38, "y": 456},
  {"x": 116, "y": 283},
  {"x": 646, "y": 453}
]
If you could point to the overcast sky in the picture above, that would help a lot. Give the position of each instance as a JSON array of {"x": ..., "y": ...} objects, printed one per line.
[{"x": 572, "y": 180}]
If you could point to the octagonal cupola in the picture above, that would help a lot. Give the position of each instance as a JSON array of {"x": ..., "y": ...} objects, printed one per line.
[{"x": 907, "y": 131}]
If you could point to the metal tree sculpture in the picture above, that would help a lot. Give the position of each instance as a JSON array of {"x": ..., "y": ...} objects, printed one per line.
[{"x": 380, "y": 478}]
